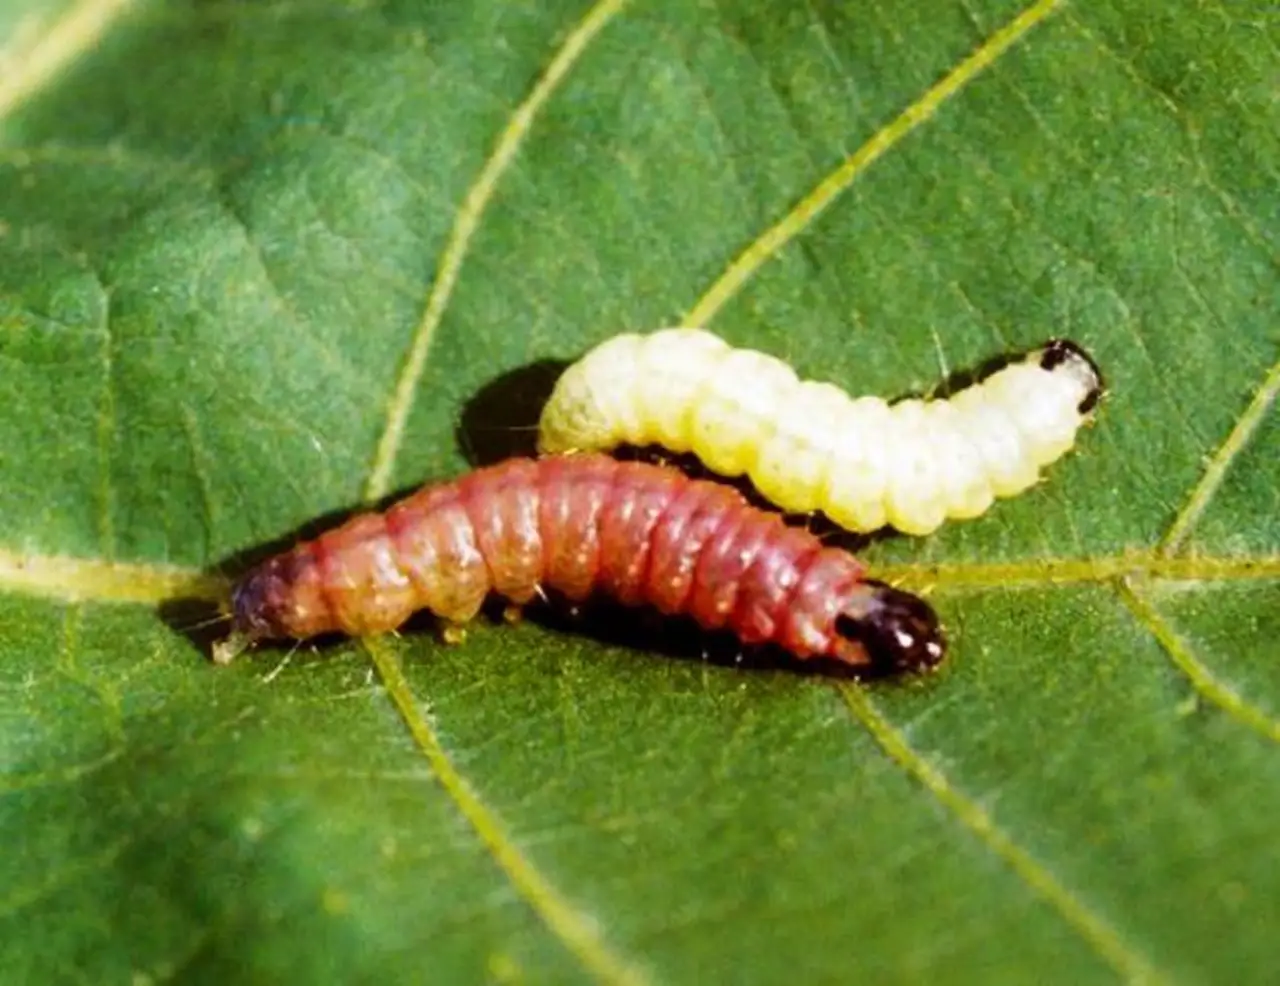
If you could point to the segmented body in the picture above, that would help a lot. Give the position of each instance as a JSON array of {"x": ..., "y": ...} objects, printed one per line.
[
  {"x": 582, "y": 524},
  {"x": 809, "y": 446}
]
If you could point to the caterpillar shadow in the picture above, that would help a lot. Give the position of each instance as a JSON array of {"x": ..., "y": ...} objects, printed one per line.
[
  {"x": 648, "y": 633},
  {"x": 964, "y": 378},
  {"x": 501, "y": 420},
  {"x": 498, "y": 423},
  {"x": 679, "y": 638}
]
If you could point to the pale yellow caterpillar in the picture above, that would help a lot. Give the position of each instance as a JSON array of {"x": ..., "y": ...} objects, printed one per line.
[{"x": 809, "y": 446}]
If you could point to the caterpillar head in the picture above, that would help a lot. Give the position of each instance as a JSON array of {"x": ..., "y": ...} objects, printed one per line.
[
  {"x": 251, "y": 614},
  {"x": 888, "y": 631},
  {"x": 1065, "y": 356}
]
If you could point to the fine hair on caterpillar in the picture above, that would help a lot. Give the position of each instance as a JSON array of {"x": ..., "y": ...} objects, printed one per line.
[
  {"x": 216, "y": 619},
  {"x": 807, "y": 446},
  {"x": 586, "y": 525}
]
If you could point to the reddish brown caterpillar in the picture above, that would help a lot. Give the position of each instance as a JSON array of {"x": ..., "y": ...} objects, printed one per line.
[{"x": 581, "y": 524}]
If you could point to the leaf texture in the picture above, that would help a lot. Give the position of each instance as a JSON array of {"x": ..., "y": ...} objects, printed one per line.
[{"x": 263, "y": 262}]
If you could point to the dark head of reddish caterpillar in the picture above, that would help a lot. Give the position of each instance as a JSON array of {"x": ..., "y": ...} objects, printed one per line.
[{"x": 585, "y": 524}]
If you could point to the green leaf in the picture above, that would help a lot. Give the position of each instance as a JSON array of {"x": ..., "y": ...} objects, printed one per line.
[{"x": 260, "y": 260}]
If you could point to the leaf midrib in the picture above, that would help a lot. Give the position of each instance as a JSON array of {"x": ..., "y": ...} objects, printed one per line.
[{"x": 92, "y": 580}]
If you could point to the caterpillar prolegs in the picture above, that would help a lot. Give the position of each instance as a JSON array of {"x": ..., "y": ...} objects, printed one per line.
[
  {"x": 583, "y": 524},
  {"x": 809, "y": 446}
]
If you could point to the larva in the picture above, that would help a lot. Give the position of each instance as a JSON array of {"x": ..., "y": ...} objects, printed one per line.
[
  {"x": 807, "y": 445},
  {"x": 639, "y": 533}
]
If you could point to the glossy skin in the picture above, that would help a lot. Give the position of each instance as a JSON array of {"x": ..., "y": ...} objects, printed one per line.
[
  {"x": 809, "y": 446},
  {"x": 584, "y": 524}
]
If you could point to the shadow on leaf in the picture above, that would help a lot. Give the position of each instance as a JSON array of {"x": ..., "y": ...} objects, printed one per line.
[
  {"x": 501, "y": 420},
  {"x": 499, "y": 423}
]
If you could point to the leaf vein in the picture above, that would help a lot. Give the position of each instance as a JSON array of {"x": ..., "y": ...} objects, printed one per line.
[
  {"x": 78, "y": 870},
  {"x": 337, "y": 363},
  {"x": 772, "y": 240},
  {"x": 465, "y": 225},
  {"x": 111, "y": 155},
  {"x": 1202, "y": 679},
  {"x": 106, "y": 436},
  {"x": 72, "y": 773},
  {"x": 574, "y": 929},
  {"x": 1190, "y": 128},
  {"x": 1096, "y": 932},
  {"x": 71, "y": 579},
  {"x": 1216, "y": 469},
  {"x": 24, "y": 72},
  {"x": 191, "y": 431}
]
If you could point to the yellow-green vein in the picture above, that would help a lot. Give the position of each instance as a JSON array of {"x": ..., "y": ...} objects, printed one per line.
[
  {"x": 36, "y": 54},
  {"x": 1202, "y": 679},
  {"x": 78, "y": 869},
  {"x": 1216, "y": 469},
  {"x": 464, "y": 227},
  {"x": 777, "y": 236},
  {"x": 1103, "y": 938},
  {"x": 1039, "y": 572},
  {"x": 92, "y": 580},
  {"x": 69, "y": 774},
  {"x": 576, "y": 930}
]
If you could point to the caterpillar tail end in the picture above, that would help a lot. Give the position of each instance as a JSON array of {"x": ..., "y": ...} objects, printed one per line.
[{"x": 889, "y": 631}]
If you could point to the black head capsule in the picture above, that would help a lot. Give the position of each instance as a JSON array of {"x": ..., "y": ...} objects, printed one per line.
[
  {"x": 894, "y": 630},
  {"x": 1063, "y": 352}
]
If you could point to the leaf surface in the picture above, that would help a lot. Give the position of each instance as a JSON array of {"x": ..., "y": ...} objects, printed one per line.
[{"x": 261, "y": 261}]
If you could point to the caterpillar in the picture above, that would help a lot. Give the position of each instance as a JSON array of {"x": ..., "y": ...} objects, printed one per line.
[
  {"x": 639, "y": 533},
  {"x": 808, "y": 446}
]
